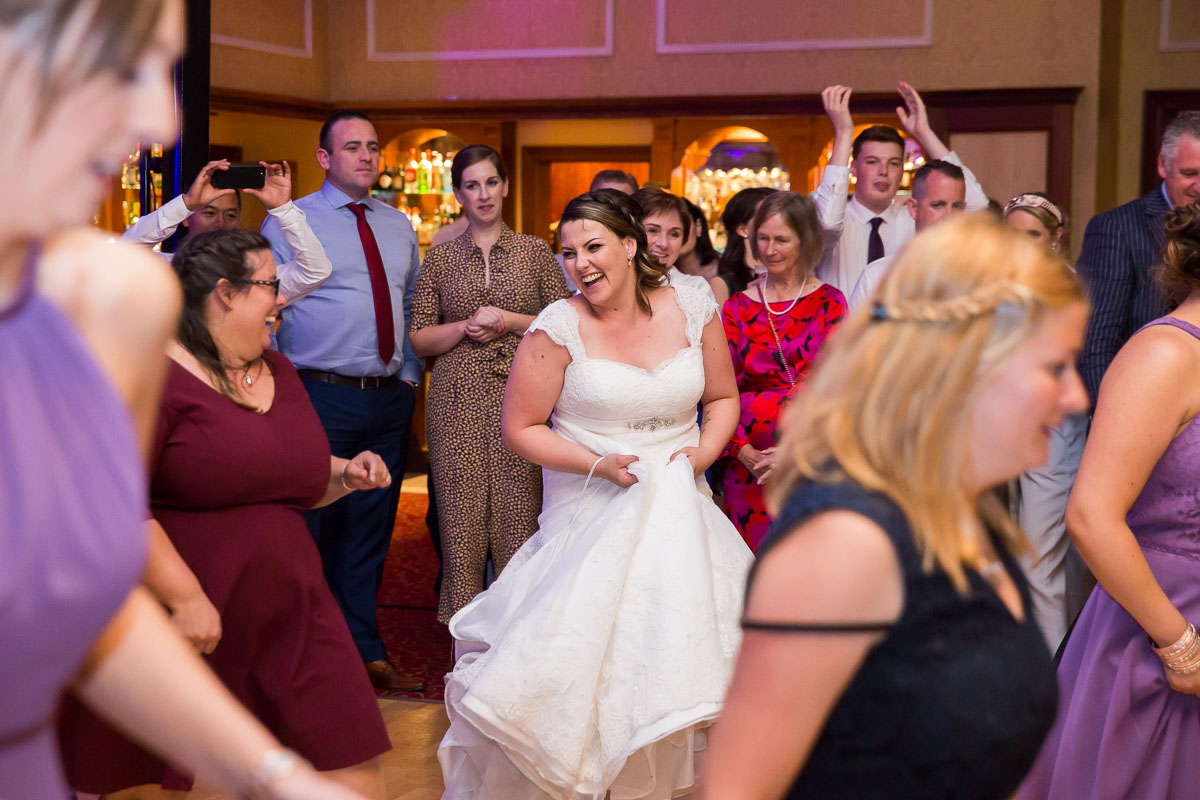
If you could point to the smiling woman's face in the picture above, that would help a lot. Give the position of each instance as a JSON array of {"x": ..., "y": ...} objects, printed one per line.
[
  {"x": 597, "y": 260},
  {"x": 63, "y": 155}
]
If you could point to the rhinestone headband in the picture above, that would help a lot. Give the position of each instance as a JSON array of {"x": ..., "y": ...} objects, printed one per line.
[{"x": 1034, "y": 201}]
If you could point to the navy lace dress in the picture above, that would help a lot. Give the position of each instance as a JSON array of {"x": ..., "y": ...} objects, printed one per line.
[{"x": 953, "y": 703}]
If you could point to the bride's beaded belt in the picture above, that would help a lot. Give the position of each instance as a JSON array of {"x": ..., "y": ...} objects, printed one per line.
[{"x": 615, "y": 426}]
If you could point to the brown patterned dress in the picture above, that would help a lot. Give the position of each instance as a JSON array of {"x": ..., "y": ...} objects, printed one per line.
[{"x": 488, "y": 498}]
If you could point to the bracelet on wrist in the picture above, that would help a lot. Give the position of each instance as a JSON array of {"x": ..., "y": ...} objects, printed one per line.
[
  {"x": 345, "y": 485},
  {"x": 274, "y": 766},
  {"x": 1183, "y": 656}
]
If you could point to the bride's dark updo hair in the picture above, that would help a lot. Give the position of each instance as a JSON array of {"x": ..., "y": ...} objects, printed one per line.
[
  {"x": 1179, "y": 273},
  {"x": 621, "y": 214}
]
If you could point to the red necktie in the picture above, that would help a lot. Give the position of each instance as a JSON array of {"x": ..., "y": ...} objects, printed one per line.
[{"x": 385, "y": 328}]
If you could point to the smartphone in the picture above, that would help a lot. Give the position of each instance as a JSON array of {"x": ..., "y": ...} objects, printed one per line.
[{"x": 240, "y": 176}]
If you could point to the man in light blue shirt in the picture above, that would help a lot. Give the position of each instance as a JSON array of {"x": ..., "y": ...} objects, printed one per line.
[{"x": 349, "y": 341}]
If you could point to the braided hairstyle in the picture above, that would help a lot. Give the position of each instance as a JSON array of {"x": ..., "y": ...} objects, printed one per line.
[
  {"x": 201, "y": 262},
  {"x": 890, "y": 400},
  {"x": 622, "y": 215},
  {"x": 1179, "y": 273}
]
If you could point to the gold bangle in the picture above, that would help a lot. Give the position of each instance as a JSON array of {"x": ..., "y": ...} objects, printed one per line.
[{"x": 345, "y": 485}]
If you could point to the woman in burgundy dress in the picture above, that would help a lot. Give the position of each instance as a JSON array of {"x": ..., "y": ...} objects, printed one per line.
[
  {"x": 775, "y": 328},
  {"x": 239, "y": 453}
]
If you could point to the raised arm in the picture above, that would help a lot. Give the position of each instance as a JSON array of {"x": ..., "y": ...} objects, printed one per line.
[
  {"x": 534, "y": 385},
  {"x": 1149, "y": 395},
  {"x": 832, "y": 194},
  {"x": 311, "y": 266},
  {"x": 837, "y": 568},
  {"x": 916, "y": 121}
]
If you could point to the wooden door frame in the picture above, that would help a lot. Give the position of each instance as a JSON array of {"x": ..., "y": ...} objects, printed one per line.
[{"x": 535, "y": 170}]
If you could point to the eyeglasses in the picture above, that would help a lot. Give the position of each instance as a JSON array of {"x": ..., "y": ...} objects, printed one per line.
[{"x": 274, "y": 284}]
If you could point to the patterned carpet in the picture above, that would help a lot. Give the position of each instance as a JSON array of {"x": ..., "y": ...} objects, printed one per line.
[{"x": 407, "y": 603}]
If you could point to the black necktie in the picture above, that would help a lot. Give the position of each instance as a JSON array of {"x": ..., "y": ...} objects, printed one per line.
[{"x": 875, "y": 241}]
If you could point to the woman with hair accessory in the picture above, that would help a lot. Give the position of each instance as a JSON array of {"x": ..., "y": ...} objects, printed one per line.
[
  {"x": 593, "y": 666},
  {"x": 83, "y": 328},
  {"x": 474, "y": 298},
  {"x": 1129, "y": 720},
  {"x": 1039, "y": 218},
  {"x": 888, "y": 650},
  {"x": 737, "y": 267},
  {"x": 775, "y": 329},
  {"x": 238, "y": 454},
  {"x": 1039, "y": 497}
]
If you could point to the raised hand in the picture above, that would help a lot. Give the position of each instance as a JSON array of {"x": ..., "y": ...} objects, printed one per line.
[
  {"x": 202, "y": 192},
  {"x": 277, "y": 189},
  {"x": 836, "y": 100},
  {"x": 912, "y": 114}
]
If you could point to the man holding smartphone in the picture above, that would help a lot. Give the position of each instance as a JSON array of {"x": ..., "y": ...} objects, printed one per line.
[{"x": 205, "y": 208}]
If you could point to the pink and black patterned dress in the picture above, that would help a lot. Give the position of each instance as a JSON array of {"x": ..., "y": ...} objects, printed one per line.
[{"x": 764, "y": 387}]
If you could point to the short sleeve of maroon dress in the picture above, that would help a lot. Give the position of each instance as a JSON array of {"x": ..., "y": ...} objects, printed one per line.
[{"x": 228, "y": 487}]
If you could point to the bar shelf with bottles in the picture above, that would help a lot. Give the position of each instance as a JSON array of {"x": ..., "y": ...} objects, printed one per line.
[
  {"x": 421, "y": 188},
  {"x": 123, "y": 206}
]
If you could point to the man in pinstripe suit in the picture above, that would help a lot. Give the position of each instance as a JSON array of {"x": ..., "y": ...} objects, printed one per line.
[{"x": 1122, "y": 245}]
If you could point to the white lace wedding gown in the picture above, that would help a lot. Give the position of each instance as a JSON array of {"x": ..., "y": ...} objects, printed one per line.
[{"x": 597, "y": 659}]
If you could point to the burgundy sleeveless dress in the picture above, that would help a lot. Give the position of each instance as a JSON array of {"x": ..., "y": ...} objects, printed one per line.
[
  {"x": 72, "y": 537},
  {"x": 228, "y": 487}
]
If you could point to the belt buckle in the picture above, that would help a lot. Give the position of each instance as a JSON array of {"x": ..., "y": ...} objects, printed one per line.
[{"x": 362, "y": 382}]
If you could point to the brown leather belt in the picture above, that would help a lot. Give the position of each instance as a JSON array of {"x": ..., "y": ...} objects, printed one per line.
[{"x": 364, "y": 382}]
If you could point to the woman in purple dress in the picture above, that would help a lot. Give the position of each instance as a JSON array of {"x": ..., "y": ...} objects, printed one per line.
[
  {"x": 1129, "y": 716},
  {"x": 238, "y": 455},
  {"x": 83, "y": 327}
]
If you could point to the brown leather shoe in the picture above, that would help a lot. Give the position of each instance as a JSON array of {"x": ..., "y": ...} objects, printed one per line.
[{"x": 384, "y": 676}]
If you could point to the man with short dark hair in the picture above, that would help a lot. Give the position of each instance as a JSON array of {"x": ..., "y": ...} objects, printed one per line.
[
  {"x": 349, "y": 342},
  {"x": 614, "y": 179},
  {"x": 203, "y": 208},
  {"x": 939, "y": 189},
  {"x": 872, "y": 225},
  {"x": 1122, "y": 245}
]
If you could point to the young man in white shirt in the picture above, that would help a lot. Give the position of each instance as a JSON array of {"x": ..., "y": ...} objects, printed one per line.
[{"x": 872, "y": 224}]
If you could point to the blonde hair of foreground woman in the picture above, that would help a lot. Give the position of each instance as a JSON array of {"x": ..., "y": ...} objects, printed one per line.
[{"x": 889, "y": 401}]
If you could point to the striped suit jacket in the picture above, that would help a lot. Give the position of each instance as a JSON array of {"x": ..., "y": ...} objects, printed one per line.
[{"x": 1120, "y": 248}]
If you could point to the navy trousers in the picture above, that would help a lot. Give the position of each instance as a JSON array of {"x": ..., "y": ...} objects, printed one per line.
[{"x": 353, "y": 534}]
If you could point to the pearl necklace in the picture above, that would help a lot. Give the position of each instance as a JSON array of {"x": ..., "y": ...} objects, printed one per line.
[{"x": 799, "y": 294}]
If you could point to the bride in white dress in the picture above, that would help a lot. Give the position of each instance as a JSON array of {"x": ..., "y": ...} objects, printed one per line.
[{"x": 593, "y": 665}]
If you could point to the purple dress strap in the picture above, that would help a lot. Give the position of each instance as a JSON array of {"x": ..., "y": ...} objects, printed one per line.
[{"x": 1174, "y": 322}]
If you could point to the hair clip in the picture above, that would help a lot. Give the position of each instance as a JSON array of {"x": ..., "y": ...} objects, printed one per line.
[{"x": 878, "y": 312}]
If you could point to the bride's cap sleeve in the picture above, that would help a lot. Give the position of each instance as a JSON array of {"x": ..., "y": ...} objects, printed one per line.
[
  {"x": 698, "y": 308},
  {"x": 560, "y": 322}
]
